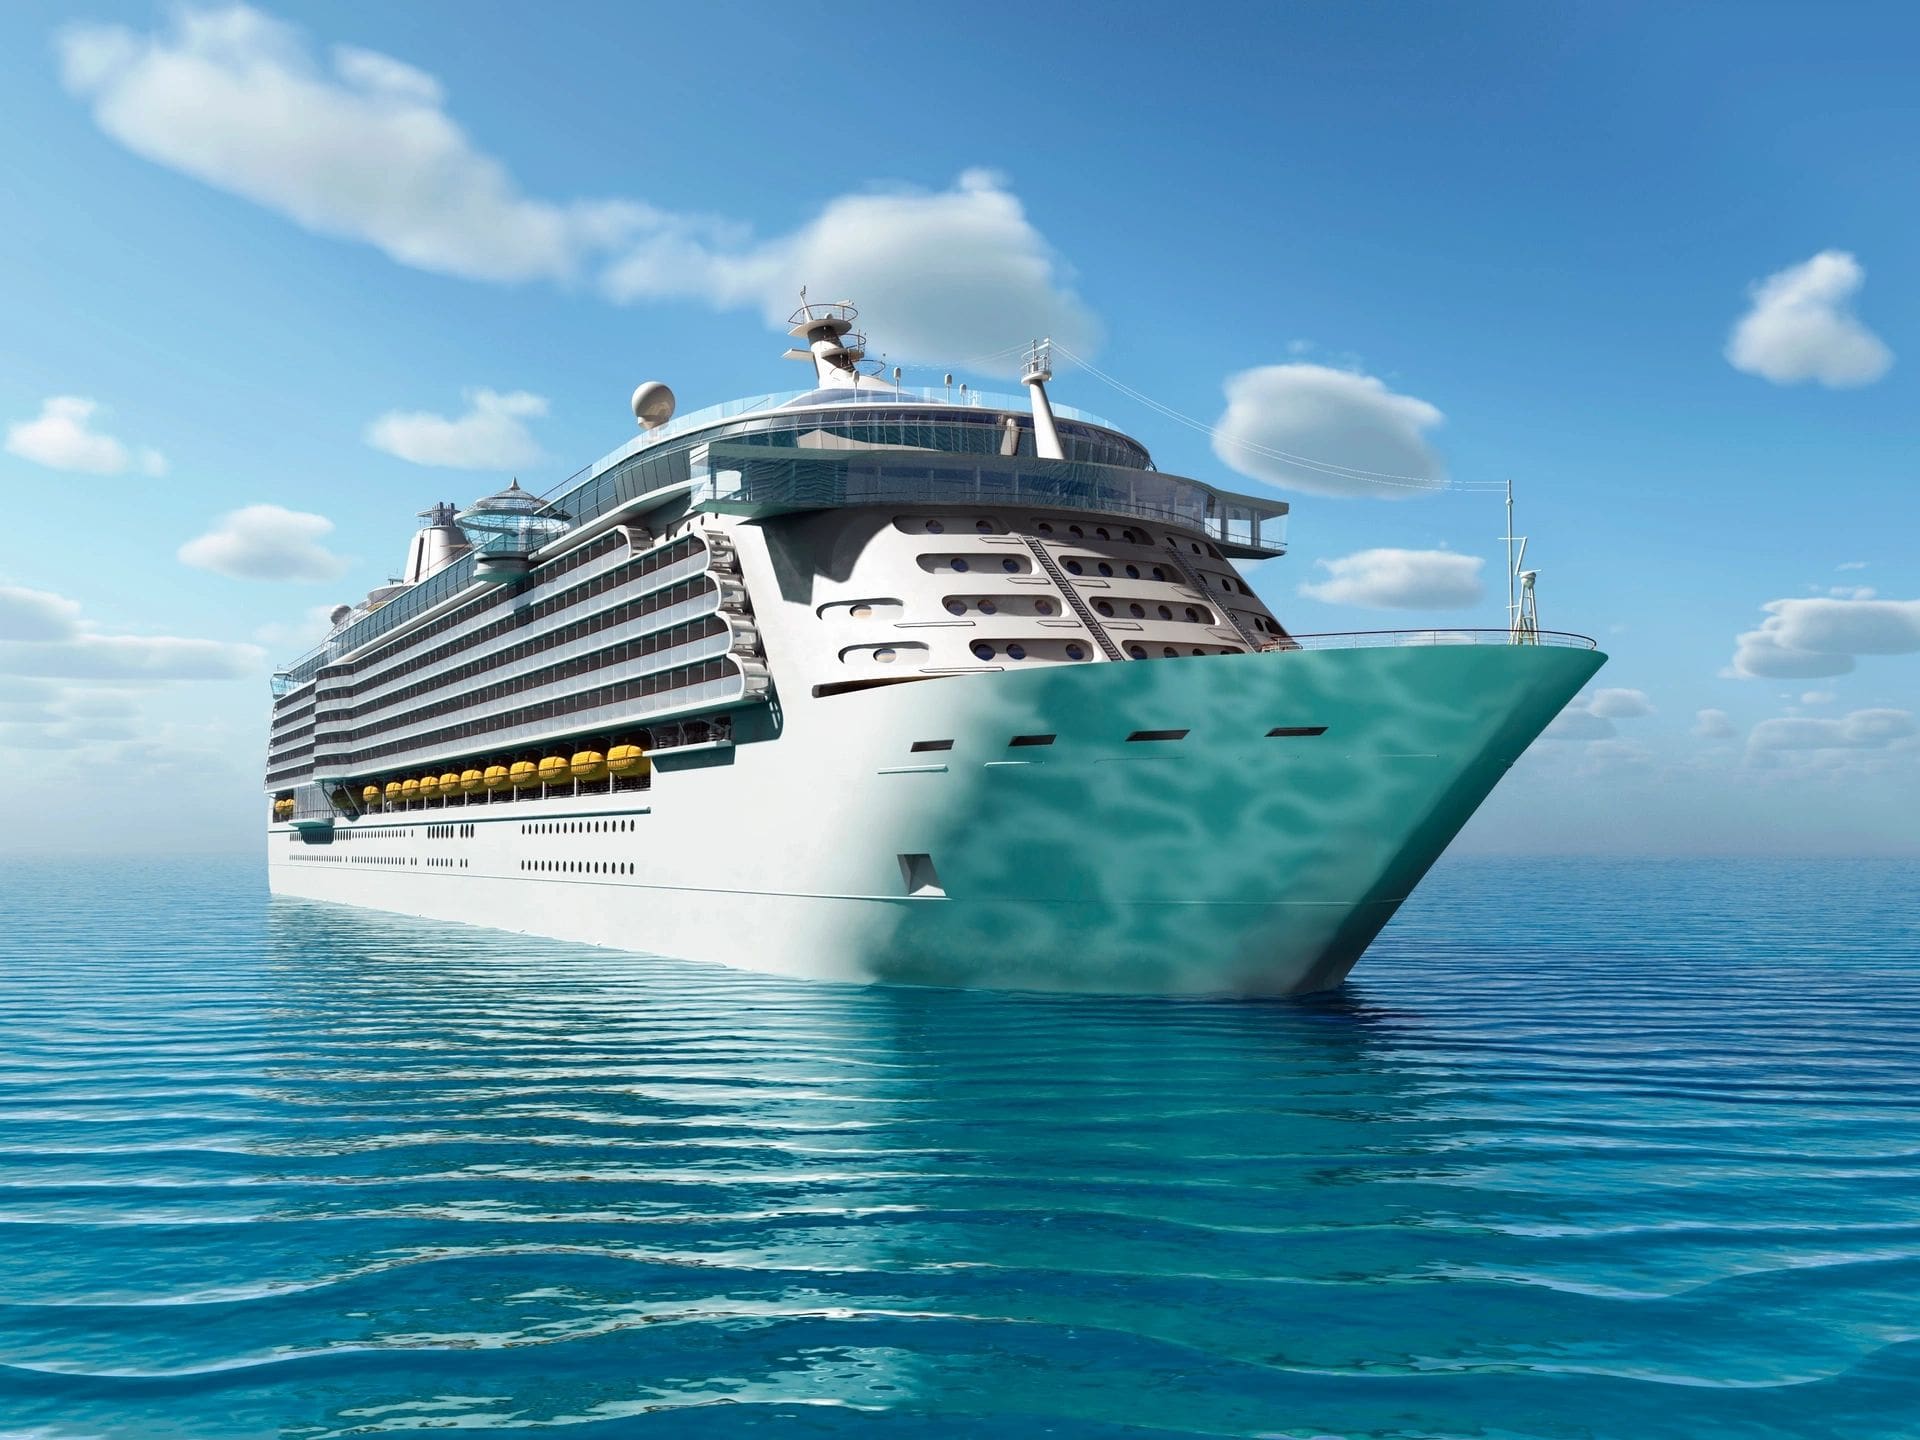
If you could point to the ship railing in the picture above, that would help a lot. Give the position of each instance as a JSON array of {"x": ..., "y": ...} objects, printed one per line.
[{"x": 1369, "y": 639}]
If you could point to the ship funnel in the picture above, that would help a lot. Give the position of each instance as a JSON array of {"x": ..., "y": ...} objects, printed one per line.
[{"x": 437, "y": 544}]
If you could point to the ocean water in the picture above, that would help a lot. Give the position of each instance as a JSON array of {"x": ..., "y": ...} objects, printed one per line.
[{"x": 1584, "y": 1149}]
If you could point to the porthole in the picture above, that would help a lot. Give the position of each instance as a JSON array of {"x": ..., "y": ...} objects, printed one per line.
[
  {"x": 1198, "y": 651},
  {"x": 1074, "y": 568},
  {"x": 1138, "y": 652},
  {"x": 1101, "y": 531},
  {"x": 956, "y": 607},
  {"x": 1168, "y": 651},
  {"x": 1104, "y": 607},
  {"x": 1137, "y": 611},
  {"x": 1074, "y": 652},
  {"x": 934, "y": 527},
  {"x": 1105, "y": 568},
  {"x": 959, "y": 564},
  {"x": 985, "y": 527},
  {"x": 1046, "y": 527},
  {"x": 1158, "y": 573},
  {"x": 1133, "y": 572},
  {"x": 860, "y": 612},
  {"x": 1017, "y": 651},
  {"x": 1010, "y": 565},
  {"x": 1196, "y": 548},
  {"x": 1193, "y": 615},
  {"x": 1166, "y": 613},
  {"x": 1076, "y": 532},
  {"x": 885, "y": 655},
  {"x": 1043, "y": 606},
  {"x": 983, "y": 650},
  {"x": 987, "y": 607}
]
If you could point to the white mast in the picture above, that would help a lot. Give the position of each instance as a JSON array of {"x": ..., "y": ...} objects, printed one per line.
[
  {"x": 1035, "y": 374},
  {"x": 1523, "y": 616}
]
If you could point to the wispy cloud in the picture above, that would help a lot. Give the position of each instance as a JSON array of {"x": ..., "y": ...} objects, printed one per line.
[
  {"x": 1814, "y": 637},
  {"x": 45, "y": 635},
  {"x": 61, "y": 437},
  {"x": 1388, "y": 579},
  {"x": 266, "y": 542},
  {"x": 240, "y": 101},
  {"x": 492, "y": 435}
]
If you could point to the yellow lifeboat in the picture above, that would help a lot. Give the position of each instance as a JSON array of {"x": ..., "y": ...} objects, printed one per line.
[
  {"x": 428, "y": 786},
  {"x": 370, "y": 795},
  {"x": 471, "y": 781},
  {"x": 627, "y": 762},
  {"x": 553, "y": 769},
  {"x": 409, "y": 789},
  {"x": 589, "y": 765},
  {"x": 450, "y": 783},
  {"x": 395, "y": 792},
  {"x": 524, "y": 773},
  {"x": 282, "y": 809},
  {"x": 495, "y": 777}
]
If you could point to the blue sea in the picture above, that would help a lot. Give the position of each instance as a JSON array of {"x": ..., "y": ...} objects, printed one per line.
[{"x": 1584, "y": 1149}]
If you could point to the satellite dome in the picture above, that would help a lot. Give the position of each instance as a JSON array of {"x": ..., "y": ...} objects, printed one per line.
[
  {"x": 338, "y": 614},
  {"x": 652, "y": 404}
]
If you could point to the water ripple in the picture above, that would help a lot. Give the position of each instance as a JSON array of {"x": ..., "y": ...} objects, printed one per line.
[{"x": 1634, "y": 1152}]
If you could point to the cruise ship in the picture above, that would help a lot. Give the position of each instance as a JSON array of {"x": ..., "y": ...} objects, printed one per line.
[{"x": 871, "y": 683}]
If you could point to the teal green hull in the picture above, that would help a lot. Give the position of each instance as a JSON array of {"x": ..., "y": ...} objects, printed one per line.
[{"x": 1227, "y": 861}]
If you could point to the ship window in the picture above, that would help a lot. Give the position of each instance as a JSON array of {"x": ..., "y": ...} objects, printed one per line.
[
  {"x": 1043, "y": 606},
  {"x": 1295, "y": 732},
  {"x": 1198, "y": 651},
  {"x": 959, "y": 564},
  {"x": 885, "y": 655},
  {"x": 1101, "y": 531},
  {"x": 1105, "y": 568},
  {"x": 1103, "y": 607},
  {"x": 1010, "y": 565},
  {"x": 1165, "y": 613},
  {"x": 934, "y": 527},
  {"x": 1020, "y": 740},
  {"x": 1158, "y": 573},
  {"x": 1076, "y": 532},
  {"x": 1138, "y": 652},
  {"x": 1193, "y": 615},
  {"x": 983, "y": 650},
  {"x": 1017, "y": 651},
  {"x": 922, "y": 746},
  {"x": 985, "y": 527},
  {"x": 1168, "y": 651},
  {"x": 1074, "y": 652},
  {"x": 987, "y": 607},
  {"x": 1073, "y": 568},
  {"x": 1046, "y": 527},
  {"x": 1133, "y": 572},
  {"x": 956, "y": 607},
  {"x": 860, "y": 612},
  {"x": 1140, "y": 735},
  {"x": 1137, "y": 611}
]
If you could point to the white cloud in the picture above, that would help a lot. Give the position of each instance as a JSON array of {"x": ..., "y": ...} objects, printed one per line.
[
  {"x": 1819, "y": 636},
  {"x": 266, "y": 542},
  {"x": 44, "y": 635},
  {"x": 1851, "y": 565},
  {"x": 1616, "y": 704},
  {"x": 1399, "y": 580},
  {"x": 59, "y": 438},
  {"x": 37, "y": 615},
  {"x": 239, "y": 100},
  {"x": 1713, "y": 725},
  {"x": 1851, "y": 592},
  {"x": 1802, "y": 327},
  {"x": 492, "y": 435},
  {"x": 1363, "y": 439},
  {"x": 936, "y": 273},
  {"x": 1860, "y": 730},
  {"x": 1590, "y": 717},
  {"x": 1817, "y": 697}
]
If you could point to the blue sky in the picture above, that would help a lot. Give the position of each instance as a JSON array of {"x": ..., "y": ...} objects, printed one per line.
[{"x": 1653, "y": 263}]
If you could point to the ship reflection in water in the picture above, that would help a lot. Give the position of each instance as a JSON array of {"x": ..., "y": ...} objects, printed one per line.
[{"x": 319, "y": 1171}]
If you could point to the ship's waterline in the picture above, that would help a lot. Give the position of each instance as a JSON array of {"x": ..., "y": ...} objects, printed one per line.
[{"x": 869, "y": 685}]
